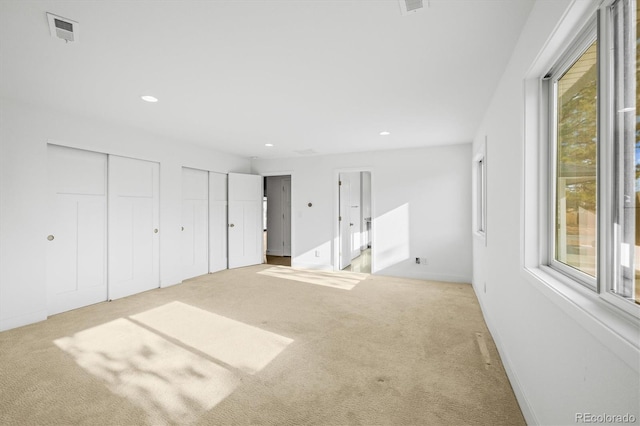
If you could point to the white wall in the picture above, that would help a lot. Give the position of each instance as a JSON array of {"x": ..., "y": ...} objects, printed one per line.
[
  {"x": 24, "y": 133},
  {"x": 558, "y": 363},
  {"x": 421, "y": 203}
]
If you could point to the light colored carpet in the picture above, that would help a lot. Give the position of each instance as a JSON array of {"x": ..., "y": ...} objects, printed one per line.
[{"x": 243, "y": 347}]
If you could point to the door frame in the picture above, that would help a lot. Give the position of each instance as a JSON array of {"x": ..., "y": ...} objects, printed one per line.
[
  {"x": 292, "y": 216},
  {"x": 336, "y": 214}
]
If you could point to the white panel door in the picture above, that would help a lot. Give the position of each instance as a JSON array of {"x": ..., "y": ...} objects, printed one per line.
[
  {"x": 286, "y": 215},
  {"x": 355, "y": 214},
  {"x": 245, "y": 220},
  {"x": 344, "y": 228},
  {"x": 195, "y": 222},
  {"x": 134, "y": 254},
  {"x": 77, "y": 246},
  {"x": 217, "y": 222}
]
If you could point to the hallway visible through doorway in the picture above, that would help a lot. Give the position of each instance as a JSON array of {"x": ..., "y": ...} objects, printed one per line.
[
  {"x": 354, "y": 221},
  {"x": 277, "y": 220}
]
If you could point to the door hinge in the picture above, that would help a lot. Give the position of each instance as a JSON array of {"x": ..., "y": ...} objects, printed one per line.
[
  {"x": 339, "y": 183},
  {"x": 339, "y": 218}
]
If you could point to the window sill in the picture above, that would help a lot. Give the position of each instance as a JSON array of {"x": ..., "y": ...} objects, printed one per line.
[{"x": 616, "y": 330}]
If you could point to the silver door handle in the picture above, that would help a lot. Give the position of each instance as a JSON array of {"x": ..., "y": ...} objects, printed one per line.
[
  {"x": 231, "y": 225},
  {"x": 155, "y": 231},
  {"x": 351, "y": 224},
  {"x": 50, "y": 237}
]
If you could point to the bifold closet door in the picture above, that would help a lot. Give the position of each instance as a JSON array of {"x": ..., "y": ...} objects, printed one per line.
[
  {"x": 134, "y": 253},
  {"x": 245, "y": 220},
  {"x": 217, "y": 221},
  {"x": 77, "y": 240},
  {"x": 195, "y": 222}
]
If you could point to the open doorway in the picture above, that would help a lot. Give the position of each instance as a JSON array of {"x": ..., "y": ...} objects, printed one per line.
[
  {"x": 354, "y": 221},
  {"x": 277, "y": 220}
]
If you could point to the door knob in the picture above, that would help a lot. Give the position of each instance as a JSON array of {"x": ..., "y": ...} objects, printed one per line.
[
  {"x": 155, "y": 231},
  {"x": 50, "y": 237},
  {"x": 351, "y": 224},
  {"x": 231, "y": 225},
  {"x": 182, "y": 228}
]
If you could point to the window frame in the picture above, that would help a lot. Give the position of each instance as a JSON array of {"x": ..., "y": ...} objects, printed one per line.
[
  {"x": 599, "y": 26},
  {"x": 479, "y": 173},
  {"x": 616, "y": 329},
  {"x": 576, "y": 49},
  {"x": 608, "y": 189}
]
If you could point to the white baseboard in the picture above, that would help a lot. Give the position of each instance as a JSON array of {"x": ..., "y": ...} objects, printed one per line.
[
  {"x": 521, "y": 397},
  {"x": 21, "y": 320}
]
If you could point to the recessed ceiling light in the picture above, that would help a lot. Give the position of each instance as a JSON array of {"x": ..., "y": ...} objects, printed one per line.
[
  {"x": 384, "y": 133},
  {"x": 268, "y": 145},
  {"x": 149, "y": 98}
]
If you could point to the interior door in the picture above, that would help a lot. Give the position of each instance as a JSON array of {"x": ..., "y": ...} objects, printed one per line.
[
  {"x": 245, "y": 220},
  {"x": 134, "y": 264},
  {"x": 195, "y": 222},
  {"x": 286, "y": 216},
  {"x": 344, "y": 220},
  {"x": 77, "y": 241},
  {"x": 355, "y": 213},
  {"x": 217, "y": 222}
]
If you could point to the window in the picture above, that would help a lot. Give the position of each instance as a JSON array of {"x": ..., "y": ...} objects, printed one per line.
[
  {"x": 480, "y": 192},
  {"x": 594, "y": 190},
  {"x": 481, "y": 172}
]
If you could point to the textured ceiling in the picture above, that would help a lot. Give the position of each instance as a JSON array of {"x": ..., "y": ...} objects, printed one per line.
[{"x": 320, "y": 75}]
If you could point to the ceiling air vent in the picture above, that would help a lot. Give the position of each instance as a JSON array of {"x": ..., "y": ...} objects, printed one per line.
[
  {"x": 408, "y": 7},
  {"x": 63, "y": 28}
]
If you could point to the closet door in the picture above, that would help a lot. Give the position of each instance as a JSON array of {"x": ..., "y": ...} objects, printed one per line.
[
  {"x": 245, "y": 220},
  {"x": 134, "y": 237},
  {"x": 217, "y": 221},
  {"x": 77, "y": 240},
  {"x": 195, "y": 222}
]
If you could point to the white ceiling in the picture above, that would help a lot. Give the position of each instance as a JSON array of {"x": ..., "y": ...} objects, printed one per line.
[{"x": 322, "y": 75}]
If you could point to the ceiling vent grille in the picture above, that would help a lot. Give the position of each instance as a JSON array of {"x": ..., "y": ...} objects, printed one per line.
[
  {"x": 63, "y": 28},
  {"x": 408, "y": 7}
]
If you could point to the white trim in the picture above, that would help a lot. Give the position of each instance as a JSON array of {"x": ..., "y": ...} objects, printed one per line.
[
  {"x": 516, "y": 384},
  {"x": 22, "y": 320},
  {"x": 479, "y": 229},
  {"x": 617, "y": 331}
]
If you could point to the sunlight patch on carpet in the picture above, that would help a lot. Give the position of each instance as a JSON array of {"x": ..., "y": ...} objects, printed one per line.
[
  {"x": 239, "y": 345},
  {"x": 171, "y": 384},
  {"x": 342, "y": 280}
]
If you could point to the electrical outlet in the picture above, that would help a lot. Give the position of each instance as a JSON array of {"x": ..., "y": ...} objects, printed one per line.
[
  {"x": 417, "y": 260},
  {"x": 317, "y": 253}
]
